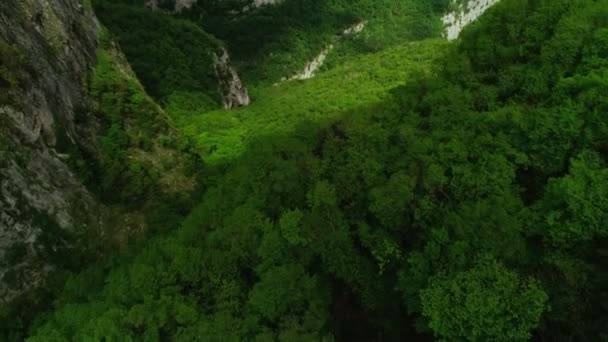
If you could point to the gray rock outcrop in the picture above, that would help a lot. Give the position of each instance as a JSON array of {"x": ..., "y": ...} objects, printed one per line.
[
  {"x": 466, "y": 14},
  {"x": 44, "y": 107},
  {"x": 180, "y": 5},
  {"x": 234, "y": 93}
]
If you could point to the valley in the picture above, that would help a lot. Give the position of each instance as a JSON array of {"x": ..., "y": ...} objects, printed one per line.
[{"x": 303, "y": 170}]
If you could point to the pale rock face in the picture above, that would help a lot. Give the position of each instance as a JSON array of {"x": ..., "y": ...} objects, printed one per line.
[
  {"x": 259, "y": 3},
  {"x": 313, "y": 66},
  {"x": 153, "y": 4},
  {"x": 354, "y": 29},
  {"x": 233, "y": 91},
  {"x": 458, "y": 20},
  {"x": 181, "y": 5}
]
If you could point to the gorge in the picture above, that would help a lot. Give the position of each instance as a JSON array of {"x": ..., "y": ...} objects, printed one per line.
[{"x": 303, "y": 170}]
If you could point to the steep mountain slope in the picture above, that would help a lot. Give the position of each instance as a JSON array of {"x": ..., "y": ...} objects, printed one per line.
[
  {"x": 161, "y": 50},
  {"x": 47, "y": 50},
  {"x": 70, "y": 190}
]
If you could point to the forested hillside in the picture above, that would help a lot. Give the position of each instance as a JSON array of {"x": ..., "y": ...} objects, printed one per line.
[{"x": 415, "y": 189}]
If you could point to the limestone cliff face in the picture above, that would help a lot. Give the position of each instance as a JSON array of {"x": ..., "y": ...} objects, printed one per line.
[
  {"x": 313, "y": 66},
  {"x": 260, "y": 3},
  {"x": 180, "y": 5},
  {"x": 465, "y": 14},
  {"x": 50, "y": 47}
]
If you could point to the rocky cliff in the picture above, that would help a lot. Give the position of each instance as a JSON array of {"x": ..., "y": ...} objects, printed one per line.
[
  {"x": 48, "y": 48},
  {"x": 72, "y": 113},
  {"x": 178, "y": 5},
  {"x": 234, "y": 93},
  {"x": 464, "y": 14}
]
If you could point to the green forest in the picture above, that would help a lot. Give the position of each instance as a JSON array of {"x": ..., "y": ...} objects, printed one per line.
[{"x": 415, "y": 189}]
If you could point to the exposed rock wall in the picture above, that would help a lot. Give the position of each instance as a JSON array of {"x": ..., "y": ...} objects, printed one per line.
[
  {"x": 43, "y": 111},
  {"x": 234, "y": 93},
  {"x": 258, "y": 3},
  {"x": 313, "y": 66},
  {"x": 184, "y": 5},
  {"x": 465, "y": 14},
  {"x": 180, "y": 5}
]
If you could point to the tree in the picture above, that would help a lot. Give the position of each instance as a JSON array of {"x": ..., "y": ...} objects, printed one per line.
[
  {"x": 577, "y": 205},
  {"x": 485, "y": 303}
]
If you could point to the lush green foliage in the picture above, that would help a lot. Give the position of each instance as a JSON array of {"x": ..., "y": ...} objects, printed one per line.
[
  {"x": 131, "y": 120},
  {"x": 485, "y": 303},
  {"x": 361, "y": 82},
  {"x": 171, "y": 57},
  {"x": 469, "y": 204}
]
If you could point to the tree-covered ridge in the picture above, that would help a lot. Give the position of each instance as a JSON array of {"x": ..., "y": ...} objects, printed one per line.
[
  {"x": 470, "y": 205},
  {"x": 273, "y": 42},
  {"x": 266, "y": 43},
  {"x": 171, "y": 56}
]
